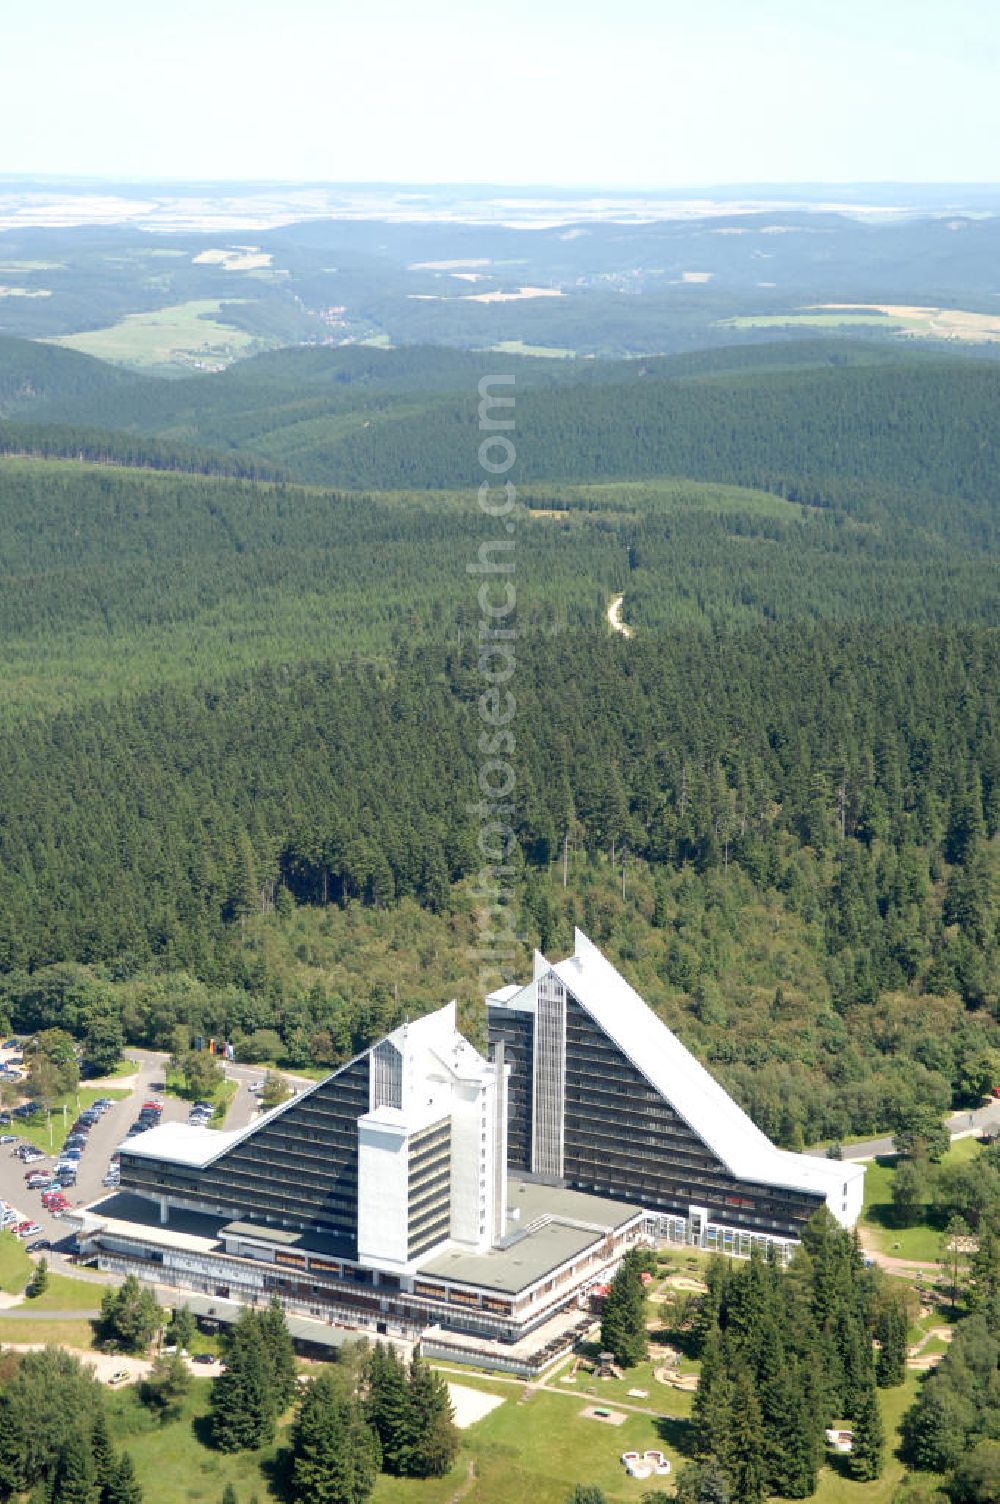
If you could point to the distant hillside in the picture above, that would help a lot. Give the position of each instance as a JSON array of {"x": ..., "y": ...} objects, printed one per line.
[{"x": 36, "y": 377}]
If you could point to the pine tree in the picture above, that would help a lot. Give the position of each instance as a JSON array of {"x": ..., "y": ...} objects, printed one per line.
[
  {"x": 229, "y": 1495},
  {"x": 869, "y": 1438},
  {"x": 124, "y": 1487},
  {"x": 433, "y": 1438}
]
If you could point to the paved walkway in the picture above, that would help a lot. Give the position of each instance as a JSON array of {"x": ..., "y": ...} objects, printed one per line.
[{"x": 28, "y": 1313}]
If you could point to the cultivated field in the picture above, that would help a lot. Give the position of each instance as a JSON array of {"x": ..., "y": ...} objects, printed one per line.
[{"x": 182, "y": 337}]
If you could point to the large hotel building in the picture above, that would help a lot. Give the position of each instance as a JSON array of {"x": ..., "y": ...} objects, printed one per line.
[{"x": 424, "y": 1191}]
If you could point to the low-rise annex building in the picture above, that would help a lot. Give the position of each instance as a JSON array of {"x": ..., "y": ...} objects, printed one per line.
[{"x": 423, "y": 1191}]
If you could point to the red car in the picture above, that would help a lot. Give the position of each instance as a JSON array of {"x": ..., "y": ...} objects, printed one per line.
[
  {"x": 53, "y": 1199},
  {"x": 22, "y": 1228}
]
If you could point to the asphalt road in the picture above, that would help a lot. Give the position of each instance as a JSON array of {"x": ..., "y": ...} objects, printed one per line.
[{"x": 985, "y": 1119}]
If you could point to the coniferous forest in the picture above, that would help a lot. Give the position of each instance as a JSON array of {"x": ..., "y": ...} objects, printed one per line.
[{"x": 238, "y": 731}]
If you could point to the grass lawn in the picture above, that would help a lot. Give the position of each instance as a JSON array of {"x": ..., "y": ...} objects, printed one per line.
[
  {"x": 78, "y": 1334},
  {"x": 835, "y": 1487},
  {"x": 174, "y": 1463},
  {"x": 221, "y": 1097},
  {"x": 921, "y": 1242},
  {"x": 675, "y": 1403},
  {"x": 15, "y": 1266},
  {"x": 537, "y": 1449},
  {"x": 533, "y": 1448},
  {"x": 37, "y": 1130},
  {"x": 63, "y": 1293}
]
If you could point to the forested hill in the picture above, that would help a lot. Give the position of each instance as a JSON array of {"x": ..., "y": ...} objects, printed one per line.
[
  {"x": 929, "y": 428},
  {"x": 134, "y": 826},
  {"x": 39, "y": 376}
]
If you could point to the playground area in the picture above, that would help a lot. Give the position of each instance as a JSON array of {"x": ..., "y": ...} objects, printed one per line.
[{"x": 649, "y": 1464}]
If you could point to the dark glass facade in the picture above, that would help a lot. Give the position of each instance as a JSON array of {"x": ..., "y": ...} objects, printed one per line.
[
  {"x": 517, "y": 1030},
  {"x": 623, "y": 1140},
  {"x": 299, "y": 1170},
  {"x": 429, "y": 1188}
]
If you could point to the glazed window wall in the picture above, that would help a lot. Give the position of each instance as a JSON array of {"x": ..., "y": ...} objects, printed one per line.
[
  {"x": 517, "y": 1030},
  {"x": 623, "y": 1140},
  {"x": 548, "y": 1098}
]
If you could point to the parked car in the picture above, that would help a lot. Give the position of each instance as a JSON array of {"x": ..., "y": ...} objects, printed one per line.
[
  {"x": 120, "y": 1376},
  {"x": 40, "y": 1245},
  {"x": 7, "y": 1138}
]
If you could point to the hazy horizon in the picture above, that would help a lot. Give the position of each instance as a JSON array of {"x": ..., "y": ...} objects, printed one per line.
[{"x": 654, "y": 92}]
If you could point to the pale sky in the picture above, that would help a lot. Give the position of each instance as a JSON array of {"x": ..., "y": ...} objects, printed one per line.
[{"x": 622, "y": 93}]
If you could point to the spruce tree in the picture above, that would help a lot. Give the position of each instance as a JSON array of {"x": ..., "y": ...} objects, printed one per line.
[
  {"x": 335, "y": 1454},
  {"x": 73, "y": 1482},
  {"x": 387, "y": 1408},
  {"x": 280, "y": 1352},
  {"x": 243, "y": 1404},
  {"x": 124, "y": 1487},
  {"x": 229, "y": 1495},
  {"x": 433, "y": 1438},
  {"x": 745, "y": 1458},
  {"x": 890, "y": 1363},
  {"x": 712, "y": 1403},
  {"x": 623, "y": 1322},
  {"x": 102, "y": 1452},
  {"x": 869, "y": 1438}
]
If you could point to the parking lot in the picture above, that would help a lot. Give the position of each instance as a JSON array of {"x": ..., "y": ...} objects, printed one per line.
[
  {"x": 104, "y": 1138},
  {"x": 109, "y": 1132}
]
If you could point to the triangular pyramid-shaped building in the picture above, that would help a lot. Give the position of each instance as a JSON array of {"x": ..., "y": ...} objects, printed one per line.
[{"x": 604, "y": 1098}]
